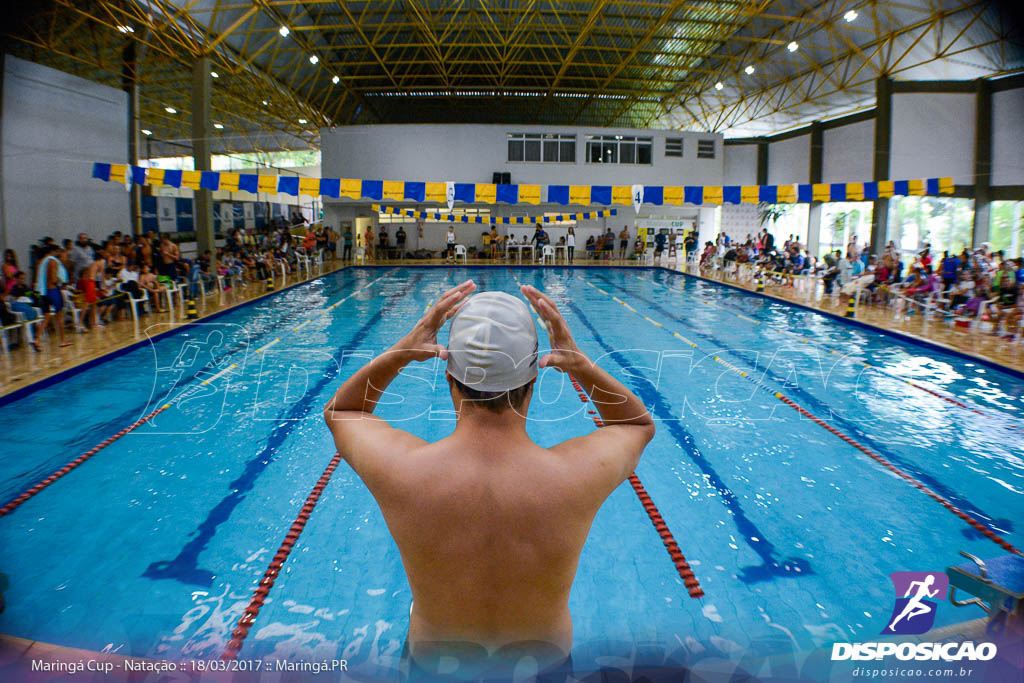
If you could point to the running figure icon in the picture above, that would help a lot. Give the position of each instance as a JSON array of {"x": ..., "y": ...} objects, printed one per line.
[{"x": 914, "y": 612}]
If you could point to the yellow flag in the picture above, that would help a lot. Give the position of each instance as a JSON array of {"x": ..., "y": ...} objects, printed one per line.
[
  {"x": 854, "y": 191},
  {"x": 915, "y": 187},
  {"x": 713, "y": 194},
  {"x": 579, "y": 194},
  {"x": 435, "y": 192},
  {"x": 529, "y": 194},
  {"x": 267, "y": 183},
  {"x": 350, "y": 188},
  {"x": 946, "y": 185},
  {"x": 786, "y": 194},
  {"x": 229, "y": 182},
  {"x": 622, "y": 194},
  {"x": 821, "y": 192},
  {"x": 118, "y": 173},
  {"x": 155, "y": 177},
  {"x": 750, "y": 194},
  {"x": 486, "y": 192},
  {"x": 394, "y": 189},
  {"x": 191, "y": 179},
  {"x": 672, "y": 194},
  {"x": 307, "y": 186},
  {"x": 886, "y": 188}
]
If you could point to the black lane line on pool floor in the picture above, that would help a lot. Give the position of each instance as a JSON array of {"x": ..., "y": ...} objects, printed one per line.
[
  {"x": 771, "y": 567},
  {"x": 1004, "y": 525},
  {"x": 952, "y": 398},
  {"x": 95, "y": 433},
  {"x": 185, "y": 566}
]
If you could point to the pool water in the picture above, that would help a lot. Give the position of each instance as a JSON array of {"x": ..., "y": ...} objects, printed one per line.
[{"x": 154, "y": 546}]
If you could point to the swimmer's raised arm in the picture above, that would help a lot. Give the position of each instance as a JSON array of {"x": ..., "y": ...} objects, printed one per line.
[
  {"x": 629, "y": 427},
  {"x": 362, "y": 438},
  {"x": 361, "y": 391}
]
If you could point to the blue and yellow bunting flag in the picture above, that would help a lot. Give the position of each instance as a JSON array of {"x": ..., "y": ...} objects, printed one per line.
[{"x": 488, "y": 193}]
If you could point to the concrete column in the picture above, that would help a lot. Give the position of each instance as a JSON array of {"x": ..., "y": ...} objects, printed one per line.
[
  {"x": 762, "y": 161},
  {"x": 130, "y": 84},
  {"x": 883, "y": 137},
  {"x": 982, "y": 162},
  {"x": 814, "y": 211},
  {"x": 201, "y": 131}
]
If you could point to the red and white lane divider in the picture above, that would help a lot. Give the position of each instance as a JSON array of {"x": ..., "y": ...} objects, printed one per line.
[
  {"x": 248, "y": 617},
  {"x": 682, "y": 566},
  {"x": 11, "y": 506},
  {"x": 985, "y": 531}
]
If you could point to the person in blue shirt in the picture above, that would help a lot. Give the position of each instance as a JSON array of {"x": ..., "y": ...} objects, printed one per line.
[{"x": 950, "y": 270}]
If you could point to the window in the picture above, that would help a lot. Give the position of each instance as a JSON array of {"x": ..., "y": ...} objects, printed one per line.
[
  {"x": 705, "y": 149},
  {"x": 547, "y": 147},
  {"x": 840, "y": 221},
  {"x": 618, "y": 149},
  {"x": 1007, "y": 227},
  {"x": 673, "y": 147},
  {"x": 941, "y": 223}
]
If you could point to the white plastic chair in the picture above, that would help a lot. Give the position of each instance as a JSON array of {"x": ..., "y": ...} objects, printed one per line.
[
  {"x": 460, "y": 250},
  {"x": 547, "y": 252},
  {"x": 19, "y": 324},
  {"x": 76, "y": 313}
]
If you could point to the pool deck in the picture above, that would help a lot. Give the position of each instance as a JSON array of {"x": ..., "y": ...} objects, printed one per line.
[{"x": 23, "y": 367}]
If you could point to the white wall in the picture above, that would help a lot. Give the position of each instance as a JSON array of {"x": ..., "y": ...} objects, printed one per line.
[
  {"x": 1008, "y": 137},
  {"x": 472, "y": 153},
  {"x": 932, "y": 135},
  {"x": 740, "y": 165},
  {"x": 54, "y": 126},
  {"x": 848, "y": 156},
  {"x": 789, "y": 161}
]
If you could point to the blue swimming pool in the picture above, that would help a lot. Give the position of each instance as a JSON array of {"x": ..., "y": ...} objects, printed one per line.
[{"x": 154, "y": 546}]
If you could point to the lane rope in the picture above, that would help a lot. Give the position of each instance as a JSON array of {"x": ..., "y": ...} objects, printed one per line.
[
  {"x": 11, "y": 506},
  {"x": 985, "y": 531},
  {"x": 259, "y": 597},
  {"x": 804, "y": 340},
  {"x": 676, "y": 555}
]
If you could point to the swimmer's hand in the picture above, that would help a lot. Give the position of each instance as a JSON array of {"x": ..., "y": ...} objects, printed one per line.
[
  {"x": 565, "y": 355},
  {"x": 421, "y": 342}
]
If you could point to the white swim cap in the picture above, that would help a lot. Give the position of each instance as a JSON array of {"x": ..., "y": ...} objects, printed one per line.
[{"x": 492, "y": 345}]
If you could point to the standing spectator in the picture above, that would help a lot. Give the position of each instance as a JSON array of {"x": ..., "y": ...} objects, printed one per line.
[
  {"x": 450, "y": 242},
  {"x": 52, "y": 277},
  {"x": 623, "y": 241},
  {"x": 570, "y": 244},
  {"x": 346, "y": 253},
  {"x": 400, "y": 238},
  {"x": 82, "y": 256}
]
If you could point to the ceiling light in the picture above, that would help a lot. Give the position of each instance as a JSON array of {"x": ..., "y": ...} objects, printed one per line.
[
  {"x": 146, "y": 131},
  {"x": 793, "y": 46},
  {"x": 749, "y": 70},
  {"x": 313, "y": 59},
  {"x": 214, "y": 74},
  {"x": 170, "y": 110},
  {"x": 850, "y": 16},
  {"x": 302, "y": 120},
  {"x": 265, "y": 103},
  {"x": 283, "y": 31},
  {"x": 335, "y": 80},
  {"x": 719, "y": 86},
  {"x": 124, "y": 28},
  {"x": 218, "y": 126}
]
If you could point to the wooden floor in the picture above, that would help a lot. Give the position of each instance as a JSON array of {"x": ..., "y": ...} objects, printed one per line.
[
  {"x": 981, "y": 345},
  {"x": 23, "y": 366}
]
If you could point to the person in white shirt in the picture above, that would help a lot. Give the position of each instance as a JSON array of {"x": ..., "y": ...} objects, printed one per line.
[
  {"x": 450, "y": 249},
  {"x": 570, "y": 242}
]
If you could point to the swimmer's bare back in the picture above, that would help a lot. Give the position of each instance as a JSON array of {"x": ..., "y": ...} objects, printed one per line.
[{"x": 490, "y": 525}]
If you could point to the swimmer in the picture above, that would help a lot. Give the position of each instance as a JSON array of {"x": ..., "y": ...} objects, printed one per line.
[{"x": 490, "y": 525}]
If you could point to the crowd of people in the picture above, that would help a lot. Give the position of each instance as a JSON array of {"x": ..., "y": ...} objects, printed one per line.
[
  {"x": 99, "y": 279},
  {"x": 979, "y": 285}
]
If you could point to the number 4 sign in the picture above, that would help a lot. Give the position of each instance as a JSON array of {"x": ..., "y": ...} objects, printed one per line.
[{"x": 638, "y": 197}]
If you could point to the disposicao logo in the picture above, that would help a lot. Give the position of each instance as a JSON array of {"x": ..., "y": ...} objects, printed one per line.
[
  {"x": 914, "y": 612},
  {"x": 917, "y": 596}
]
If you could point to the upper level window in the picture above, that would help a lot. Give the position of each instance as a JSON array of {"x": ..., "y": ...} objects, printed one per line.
[
  {"x": 674, "y": 147},
  {"x": 705, "y": 149},
  {"x": 618, "y": 149},
  {"x": 550, "y": 147}
]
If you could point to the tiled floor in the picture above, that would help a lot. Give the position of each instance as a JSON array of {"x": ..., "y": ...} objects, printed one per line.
[{"x": 23, "y": 366}]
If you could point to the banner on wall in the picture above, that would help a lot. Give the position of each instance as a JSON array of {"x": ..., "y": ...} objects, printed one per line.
[
  {"x": 149, "y": 219},
  {"x": 248, "y": 215},
  {"x": 184, "y": 218},
  {"x": 653, "y": 224},
  {"x": 166, "y": 214},
  {"x": 488, "y": 193},
  {"x": 227, "y": 216}
]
